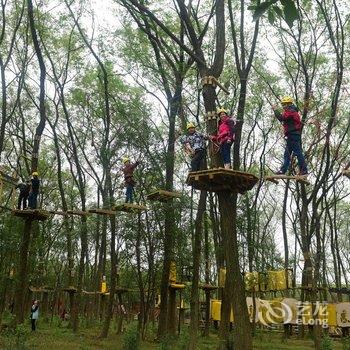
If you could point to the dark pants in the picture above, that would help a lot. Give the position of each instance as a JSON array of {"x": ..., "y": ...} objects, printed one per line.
[
  {"x": 128, "y": 193},
  {"x": 22, "y": 200},
  {"x": 198, "y": 160},
  {"x": 293, "y": 147},
  {"x": 33, "y": 324},
  {"x": 225, "y": 151},
  {"x": 33, "y": 200}
]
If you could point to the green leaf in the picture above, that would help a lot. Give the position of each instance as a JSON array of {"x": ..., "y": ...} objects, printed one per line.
[
  {"x": 290, "y": 11},
  {"x": 278, "y": 11},
  {"x": 261, "y": 9},
  {"x": 271, "y": 16}
]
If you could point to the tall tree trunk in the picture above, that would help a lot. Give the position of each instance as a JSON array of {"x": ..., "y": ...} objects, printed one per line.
[
  {"x": 194, "y": 300},
  {"x": 22, "y": 279},
  {"x": 42, "y": 111}
]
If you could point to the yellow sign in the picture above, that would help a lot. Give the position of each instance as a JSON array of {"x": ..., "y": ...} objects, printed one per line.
[
  {"x": 222, "y": 277},
  {"x": 104, "y": 287},
  {"x": 172, "y": 274}
]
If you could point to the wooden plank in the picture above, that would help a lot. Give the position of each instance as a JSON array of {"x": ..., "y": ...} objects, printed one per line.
[
  {"x": 177, "y": 285},
  {"x": 102, "y": 211},
  {"x": 32, "y": 214},
  {"x": 298, "y": 178},
  {"x": 208, "y": 287},
  {"x": 78, "y": 212},
  {"x": 220, "y": 179},
  {"x": 163, "y": 196},
  {"x": 70, "y": 289},
  {"x": 56, "y": 212},
  {"x": 129, "y": 208}
]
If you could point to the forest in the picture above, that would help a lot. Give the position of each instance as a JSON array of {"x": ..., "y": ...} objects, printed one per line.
[{"x": 174, "y": 174}]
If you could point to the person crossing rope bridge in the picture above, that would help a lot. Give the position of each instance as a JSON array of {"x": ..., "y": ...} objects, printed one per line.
[
  {"x": 128, "y": 171},
  {"x": 290, "y": 118}
]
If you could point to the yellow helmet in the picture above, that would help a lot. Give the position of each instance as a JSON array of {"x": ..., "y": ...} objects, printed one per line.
[
  {"x": 190, "y": 125},
  {"x": 286, "y": 99},
  {"x": 125, "y": 159},
  {"x": 221, "y": 110},
  {"x": 35, "y": 173}
]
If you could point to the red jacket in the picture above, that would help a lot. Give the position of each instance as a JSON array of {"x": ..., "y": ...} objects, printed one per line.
[
  {"x": 290, "y": 119},
  {"x": 128, "y": 171},
  {"x": 225, "y": 130}
]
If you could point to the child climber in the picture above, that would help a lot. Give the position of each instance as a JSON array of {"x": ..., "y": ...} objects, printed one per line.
[
  {"x": 225, "y": 136},
  {"x": 290, "y": 118},
  {"x": 128, "y": 171}
]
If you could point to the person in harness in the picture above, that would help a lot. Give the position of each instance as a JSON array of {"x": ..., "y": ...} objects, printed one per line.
[
  {"x": 24, "y": 189},
  {"x": 194, "y": 146},
  {"x": 34, "y": 191},
  {"x": 128, "y": 171},
  {"x": 225, "y": 136},
  {"x": 291, "y": 121}
]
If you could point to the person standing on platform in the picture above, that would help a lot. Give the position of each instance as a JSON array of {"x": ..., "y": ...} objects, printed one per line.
[
  {"x": 128, "y": 171},
  {"x": 291, "y": 121},
  {"x": 34, "y": 191},
  {"x": 194, "y": 146},
  {"x": 24, "y": 189},
  {"x": 34, "y": 314},
  {"x": 225, "y": 136}
]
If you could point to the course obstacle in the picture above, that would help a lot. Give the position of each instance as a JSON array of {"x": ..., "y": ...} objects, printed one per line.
[
  {"x": 97, "y": 211},
  {"x": 220, "y": 179},
  {"x": 298, "y": 178},
  {"x": 32, "y": 214},
  {"x": 129, "y": 207},
  {"x": 69, "y": 213},
  {"x": 163, "y": 196},
  {"x": 208, "y": 287},
  {"x": 177, "y": 286}
]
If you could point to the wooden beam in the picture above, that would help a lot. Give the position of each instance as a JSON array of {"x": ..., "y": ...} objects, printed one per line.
[
  {"x": 129, "y": 208},
  {"x": 211, "y": 80},
  {"x": 177, "y": 286},
  {"x": 208, "y": 287},
  {"x": 163, "y": 196},
  {"x": 102, "y": 211},
  {"x": 298, "y": 178},
  {"x": 32, "y": 214}
]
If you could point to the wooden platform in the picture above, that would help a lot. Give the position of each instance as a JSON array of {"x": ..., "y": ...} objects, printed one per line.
[
  {"x": 102, "y": 211},
  {"x": 129, "y": 208},
  {"x": 32, "y": 214},
  {"x": 297, "y": 178},
  {"x": 208, "y": 287},
  {"x": 220, "y": 179},
  {"x": 177, "y": 286},
  {"x": 44, "y": 289},
  {"x": 70, "y": 289},
  {"x": 163, "y": 196},
  {"x": 346, "y": 172}
]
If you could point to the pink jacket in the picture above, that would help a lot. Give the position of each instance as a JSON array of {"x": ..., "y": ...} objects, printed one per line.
[{"x": 225, "y": 131}]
